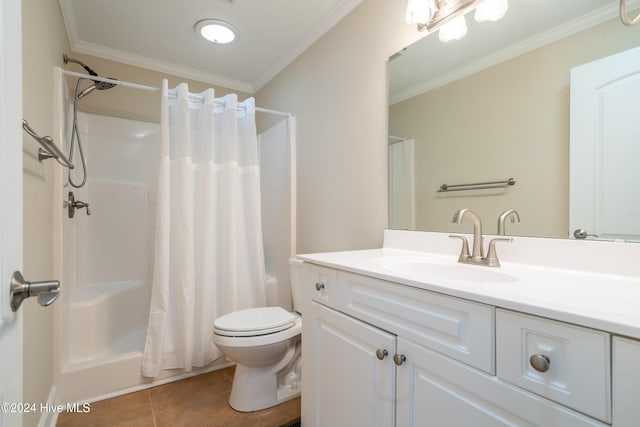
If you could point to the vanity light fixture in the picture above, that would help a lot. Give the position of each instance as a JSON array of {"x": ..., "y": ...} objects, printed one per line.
[
  {"x": 216, "y": 31},
  {"x": 448, "y": 15},
  {"x": 453, "y": 30},
  {"x": 624, "y": 17}
]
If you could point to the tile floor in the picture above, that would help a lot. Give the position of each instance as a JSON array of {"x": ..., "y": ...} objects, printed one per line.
[{"x": 197, "y": 401}]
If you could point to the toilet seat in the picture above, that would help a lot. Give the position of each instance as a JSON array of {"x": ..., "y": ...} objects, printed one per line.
[{"x": 254, "y": 322}]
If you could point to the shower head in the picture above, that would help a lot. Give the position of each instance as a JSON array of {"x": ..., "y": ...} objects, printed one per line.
[{"x": 96, "y": 83}]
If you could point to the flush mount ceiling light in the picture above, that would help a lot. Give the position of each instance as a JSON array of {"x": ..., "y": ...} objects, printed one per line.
[{"x": 216, "y": 31}]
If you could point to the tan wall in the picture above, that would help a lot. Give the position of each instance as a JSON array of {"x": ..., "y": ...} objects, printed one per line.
[
  {"x": 44, "y": 40},
  {"x": 338, "y": 91},
  {"x": 511, "y": 120}
]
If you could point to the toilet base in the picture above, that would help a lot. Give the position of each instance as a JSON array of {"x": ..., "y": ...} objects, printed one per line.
[{"x": 253, "y": 389}]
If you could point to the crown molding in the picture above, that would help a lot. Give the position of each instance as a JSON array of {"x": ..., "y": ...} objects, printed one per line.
[
  {"x": 161, "y": 66},
  {"x": 339, "y": 10},
  {"x": 581, "y": 23}
]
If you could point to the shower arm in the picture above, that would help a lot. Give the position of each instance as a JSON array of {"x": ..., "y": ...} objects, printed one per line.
[{"x": 82, "y": 64}]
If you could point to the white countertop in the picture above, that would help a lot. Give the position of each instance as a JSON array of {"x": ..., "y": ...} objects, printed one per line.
[{"x": 595, "y": 299}]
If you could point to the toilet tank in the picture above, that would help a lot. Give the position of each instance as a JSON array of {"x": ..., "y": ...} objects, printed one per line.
[{"x": 301, "y": 289}]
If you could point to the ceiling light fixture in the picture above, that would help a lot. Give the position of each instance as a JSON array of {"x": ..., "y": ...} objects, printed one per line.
[
  {"x": 448, "y": 15},
  {"x": 216, "y": 31}
]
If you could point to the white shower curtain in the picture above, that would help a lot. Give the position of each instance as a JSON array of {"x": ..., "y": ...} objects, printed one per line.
[{"x": 209, "y": 257}]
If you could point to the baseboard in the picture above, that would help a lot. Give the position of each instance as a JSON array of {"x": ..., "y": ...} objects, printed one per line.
[
  {"x": 162, "y": 381},
  {"x": 49, "y": 418}
]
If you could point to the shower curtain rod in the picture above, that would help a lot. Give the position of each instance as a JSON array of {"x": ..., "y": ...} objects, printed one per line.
[
  {"x": 397, "y": 139},
  {"x": 156, "y": 89}
]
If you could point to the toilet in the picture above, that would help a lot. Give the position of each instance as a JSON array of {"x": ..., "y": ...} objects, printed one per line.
[{"x": 265, "y": 343}]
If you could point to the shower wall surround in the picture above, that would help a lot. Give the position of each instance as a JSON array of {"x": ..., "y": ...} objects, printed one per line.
[{"x": 107, "y": 260}]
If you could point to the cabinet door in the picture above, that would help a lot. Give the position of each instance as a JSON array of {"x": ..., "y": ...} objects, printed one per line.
[
  {"x": 626, "y": 382},
  {"x": 433, "y": 390},
  {"x": 345, "y": 384}
]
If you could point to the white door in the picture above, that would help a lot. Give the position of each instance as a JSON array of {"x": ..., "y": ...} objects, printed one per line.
[
  {"x": 10, "y": 208},
  {"x": 605, "y": 147},
  {"x": 352, "y": 387}
]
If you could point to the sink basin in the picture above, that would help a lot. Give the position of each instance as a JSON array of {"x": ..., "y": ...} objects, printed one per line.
[{"x": 442, "y": 270}]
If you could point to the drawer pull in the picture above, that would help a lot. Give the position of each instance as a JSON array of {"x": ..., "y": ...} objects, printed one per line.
[
  {"x": 540, "y": 362},
  {"x": 319, "y": 286},
  {"x": 381, "y": 353},
  {"x": 399, "y": 359}
]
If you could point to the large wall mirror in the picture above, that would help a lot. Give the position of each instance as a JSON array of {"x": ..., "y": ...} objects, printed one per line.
[{"x": 494, "y": 106}]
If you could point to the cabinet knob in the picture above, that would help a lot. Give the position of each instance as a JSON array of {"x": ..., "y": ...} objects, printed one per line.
[
  {"x": 381, "y": 353},
  {"x": 399, "y": 359},
  {"x": 540, "y": 362},
  {"x": 319, "y": 286}
]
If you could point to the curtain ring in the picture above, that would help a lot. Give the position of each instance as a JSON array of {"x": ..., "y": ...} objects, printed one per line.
[{"x": 624, "y": 17}]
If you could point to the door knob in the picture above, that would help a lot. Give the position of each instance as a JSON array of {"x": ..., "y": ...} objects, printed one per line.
[
  {"x": 381, "y": 353},
  {"x": 581, "y": 233},
  {"x": 47, "y": 291}
]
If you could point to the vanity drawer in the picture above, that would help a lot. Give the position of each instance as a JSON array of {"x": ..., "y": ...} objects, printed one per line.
[
  {"x": 323, "y": 280},
  {"x": 565, "y": 363},
  {"x": 458, "y": 328}
]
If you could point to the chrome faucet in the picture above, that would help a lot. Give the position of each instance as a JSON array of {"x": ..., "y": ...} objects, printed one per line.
[
  {"x": 477, "y": 255},
  {"x": 512, "y": 214}
]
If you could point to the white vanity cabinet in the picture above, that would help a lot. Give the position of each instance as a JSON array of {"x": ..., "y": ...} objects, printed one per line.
[{"x": 379, "y": 353}]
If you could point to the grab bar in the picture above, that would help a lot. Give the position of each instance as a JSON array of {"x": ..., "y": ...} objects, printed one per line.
[
  {"x": 49, "y": 148},
  {"x": 477, "y": 186}
]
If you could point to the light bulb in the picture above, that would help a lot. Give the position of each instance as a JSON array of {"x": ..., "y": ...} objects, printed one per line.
[
  {"x": 491, "y": 10},
  {"x": 453, "y": 30},
  {"x": 420, "y": 11}
]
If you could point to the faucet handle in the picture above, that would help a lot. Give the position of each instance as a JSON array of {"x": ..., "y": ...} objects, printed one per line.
[
  {"x": 512, "y": 214},
  {"x": 464, "y": 253},
  {"x": 492, "y": 256}
]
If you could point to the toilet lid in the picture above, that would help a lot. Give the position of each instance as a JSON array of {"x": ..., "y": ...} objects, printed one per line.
[{"x": 254, "y": 321}]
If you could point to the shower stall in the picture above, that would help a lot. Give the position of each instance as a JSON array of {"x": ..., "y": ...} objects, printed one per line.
[
  {"x": 106, "y": 258},
  {"x": 104, "y": 254}
]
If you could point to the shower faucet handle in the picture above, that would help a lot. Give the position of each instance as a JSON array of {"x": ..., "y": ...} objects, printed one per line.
[{"x": 72, "y": 205}]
